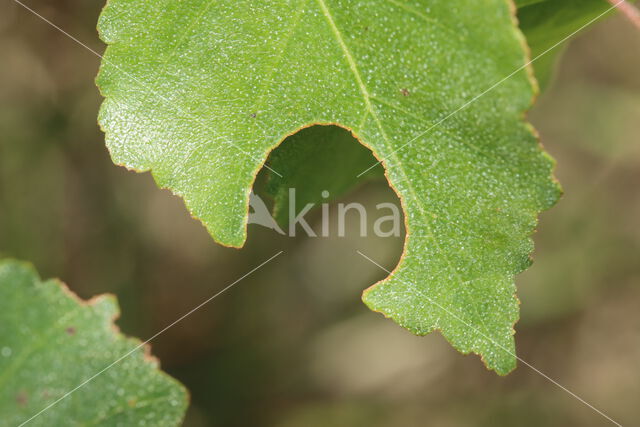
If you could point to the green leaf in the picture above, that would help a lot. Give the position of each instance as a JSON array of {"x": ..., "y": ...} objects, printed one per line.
[
  {"x": 545, "y": 23},
  {"x": 51, "y": 342},
  {"x": 200, "y": 92}
]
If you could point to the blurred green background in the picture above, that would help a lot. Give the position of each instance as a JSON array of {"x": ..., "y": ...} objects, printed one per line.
[{"x": 292, "y": 345}]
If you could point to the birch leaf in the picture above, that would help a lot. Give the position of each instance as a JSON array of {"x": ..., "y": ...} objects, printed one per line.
[
  {"x": 199, "y": 92},
  {"x": 51, "y": 342}
]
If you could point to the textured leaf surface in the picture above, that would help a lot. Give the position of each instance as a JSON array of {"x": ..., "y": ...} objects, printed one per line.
[
  {"x": 50, "y": 342},
  {"x": 199, "y": 92}
]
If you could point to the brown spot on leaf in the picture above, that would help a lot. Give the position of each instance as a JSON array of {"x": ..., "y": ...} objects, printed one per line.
[
  {"x": 22, "y": 398},
  {"x": 254, "y": 115},
  {"x": 71, "y": 330},
  {"x": 404, "y": 92}
]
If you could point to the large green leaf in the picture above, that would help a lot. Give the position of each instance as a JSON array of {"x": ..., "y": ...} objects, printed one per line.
[
  {"x": 51, "y": 342},
  {"x": 199, "y": 92}
]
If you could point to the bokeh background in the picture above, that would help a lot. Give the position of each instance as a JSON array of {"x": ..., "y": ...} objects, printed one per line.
[{"x": 292, "y": 345}]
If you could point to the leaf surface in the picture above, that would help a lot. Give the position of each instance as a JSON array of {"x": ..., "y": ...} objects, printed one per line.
[
  {"x": 200, "y": 92},
  {"x": 51, "y": 342}
]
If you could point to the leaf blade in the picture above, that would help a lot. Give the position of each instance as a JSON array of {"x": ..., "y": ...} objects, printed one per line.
[
  {"x": 52, "y": 342},
  {"x": 470, "y": 188}
]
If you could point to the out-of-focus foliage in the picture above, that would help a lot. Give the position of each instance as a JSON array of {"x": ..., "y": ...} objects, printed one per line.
[
  {"x": 294, "y": 344},
  {"x": 51, "y": 343},
  {"x": 545, "y": 23}
]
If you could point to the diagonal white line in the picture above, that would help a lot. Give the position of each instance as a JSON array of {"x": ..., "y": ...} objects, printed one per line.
[
  {"x": 67, "y": 394},
  {"x": 147, "y": 87},
  {"x": 475, "y": 98},
  {"x": 495, "y": 343}
]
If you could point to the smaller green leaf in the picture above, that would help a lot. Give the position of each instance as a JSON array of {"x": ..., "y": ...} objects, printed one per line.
[{"x": 51, "y": 342}]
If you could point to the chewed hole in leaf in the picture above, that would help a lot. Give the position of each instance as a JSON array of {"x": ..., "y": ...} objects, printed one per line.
[
  {"x": 318, "y": 169},
  {"x": 325, "y": 201}
]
